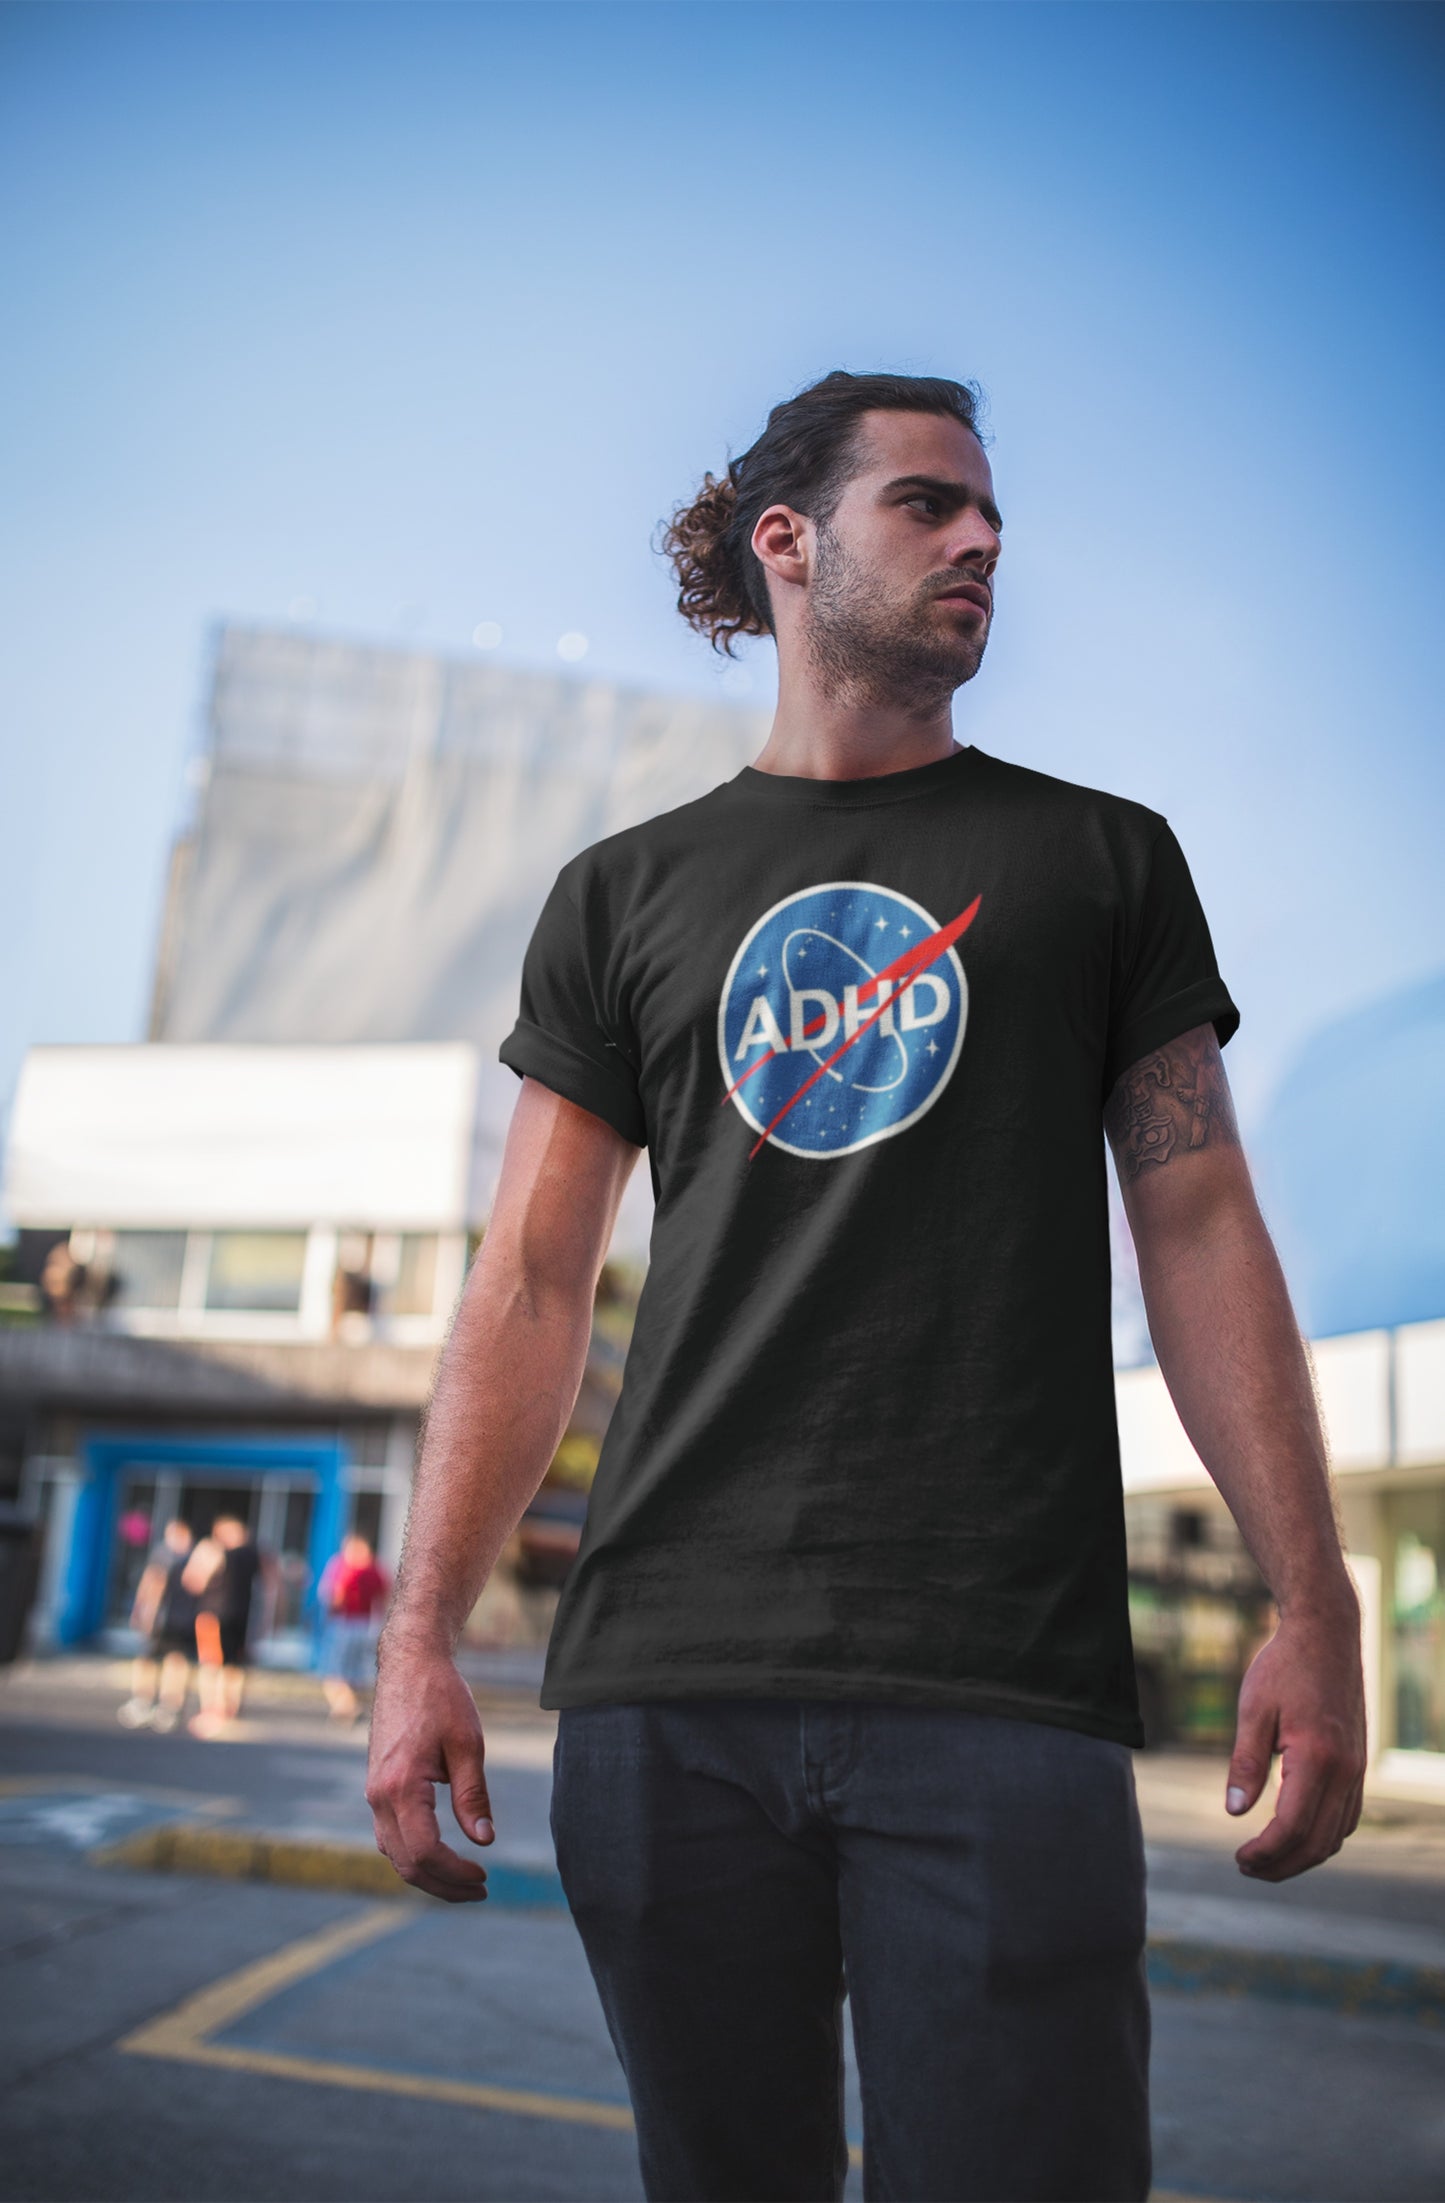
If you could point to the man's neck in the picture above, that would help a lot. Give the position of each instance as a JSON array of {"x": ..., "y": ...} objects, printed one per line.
[{"x": 818, "y": 736}]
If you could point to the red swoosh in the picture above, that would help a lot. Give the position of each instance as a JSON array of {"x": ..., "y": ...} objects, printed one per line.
[{"x": 907, "y": 966}]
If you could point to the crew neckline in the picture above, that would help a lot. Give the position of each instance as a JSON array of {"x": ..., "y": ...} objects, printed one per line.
[{"x": 914, "y": 780}]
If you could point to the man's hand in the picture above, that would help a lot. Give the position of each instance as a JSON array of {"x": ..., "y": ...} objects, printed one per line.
[
  {"x": 1303, "y": 1696},
  {"x": 425, "y": 1729}
]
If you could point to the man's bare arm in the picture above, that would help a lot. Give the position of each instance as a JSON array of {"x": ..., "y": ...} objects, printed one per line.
[
  {"x": 1232, "y": 1356},
  {"x": 505, "y": 1387}
]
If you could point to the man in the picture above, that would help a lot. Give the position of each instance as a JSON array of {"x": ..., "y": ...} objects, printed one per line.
[
  {"x": 843, "y": 1669},
  {"x": 223, "y": 1572},
  {"x": 165, "y": 1614}
]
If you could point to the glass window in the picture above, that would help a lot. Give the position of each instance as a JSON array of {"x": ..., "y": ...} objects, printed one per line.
[
  {"x": 256, "y": 1271},
  {"x": 147, "y": 1269},
  {"x": 135, "y": 1539},
  {"x": 415, "y": 1290}
]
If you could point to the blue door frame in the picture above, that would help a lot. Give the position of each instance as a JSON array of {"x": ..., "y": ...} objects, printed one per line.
[{"x": 106, "y": 1458}]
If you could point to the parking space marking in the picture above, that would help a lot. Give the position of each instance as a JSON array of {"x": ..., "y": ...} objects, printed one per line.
[
  {"x": 190, "y": 2025},
  {"x": 186, "y": 2034},
  {"x": 66, "y": 1810}
]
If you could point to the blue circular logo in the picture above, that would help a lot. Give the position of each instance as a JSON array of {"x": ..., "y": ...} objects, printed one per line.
[{"x": 842, "y": 1017}]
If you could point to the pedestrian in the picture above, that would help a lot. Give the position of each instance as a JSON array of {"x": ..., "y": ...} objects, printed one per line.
[
  {"x": 223, "y": 1572},
  {"x": 351, "y": 1595},
  {"x": 844, "y": 1682},
  {"x": 164, "y": 1612}
]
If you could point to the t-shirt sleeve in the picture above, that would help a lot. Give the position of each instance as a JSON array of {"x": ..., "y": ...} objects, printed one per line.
[
  {"x": 559, "y": 1037},
  {"x": 1167, "y": 980}
]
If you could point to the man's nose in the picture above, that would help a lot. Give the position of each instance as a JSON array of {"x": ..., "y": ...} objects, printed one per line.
[{"x": 975, "y": 544}]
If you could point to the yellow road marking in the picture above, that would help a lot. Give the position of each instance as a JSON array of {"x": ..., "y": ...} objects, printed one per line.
[
  {"x": 209, "y": 2010},
  {"x": 475, "y": 2094},
  {"x": 184, "y": 2034}
]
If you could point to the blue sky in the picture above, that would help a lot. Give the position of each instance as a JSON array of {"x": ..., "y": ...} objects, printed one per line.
[{"x": 408, "y": 318}]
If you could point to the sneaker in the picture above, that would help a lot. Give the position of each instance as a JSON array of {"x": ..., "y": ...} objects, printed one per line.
[
  {"x": 134, "y": 1714},
  {"x": 165, "y": 1718}
]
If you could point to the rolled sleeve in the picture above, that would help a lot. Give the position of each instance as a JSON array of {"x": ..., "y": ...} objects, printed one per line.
[
  {"x": 560, "y": 1038},
  {"x": 1170, "y": 979},
  {"x": 535, "y": 1054}
]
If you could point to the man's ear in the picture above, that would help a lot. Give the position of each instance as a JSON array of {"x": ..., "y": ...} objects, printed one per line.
[{"x": 782, "y": 540}]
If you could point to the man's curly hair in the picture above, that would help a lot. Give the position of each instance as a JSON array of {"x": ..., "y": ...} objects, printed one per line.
[{"x": 803, "y": 458}]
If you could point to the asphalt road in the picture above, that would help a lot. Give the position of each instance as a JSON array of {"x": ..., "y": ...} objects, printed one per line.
[{"x": 353, "y": 2049}]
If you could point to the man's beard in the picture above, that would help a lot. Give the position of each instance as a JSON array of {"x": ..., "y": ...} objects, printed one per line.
[{"x": 880, "y": 654}]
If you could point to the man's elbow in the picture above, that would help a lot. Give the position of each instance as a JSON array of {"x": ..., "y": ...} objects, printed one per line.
[{"x": 1191, "y": 1200}]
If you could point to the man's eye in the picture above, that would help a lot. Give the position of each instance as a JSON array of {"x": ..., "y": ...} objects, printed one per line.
[{"x": 923, "y": 498}]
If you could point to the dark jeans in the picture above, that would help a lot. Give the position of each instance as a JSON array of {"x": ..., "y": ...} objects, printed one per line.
[{"x": 981, "y": 1880}]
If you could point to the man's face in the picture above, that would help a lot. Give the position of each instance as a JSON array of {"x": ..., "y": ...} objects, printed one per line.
[{"x": 901, "y": 596}]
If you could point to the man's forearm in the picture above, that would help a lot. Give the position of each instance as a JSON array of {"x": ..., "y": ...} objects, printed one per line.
[
  {"x": 1239, "y": 1375},
  {"x": 505, "y": 1387},
  {"x": 1231, "y": 1354}
]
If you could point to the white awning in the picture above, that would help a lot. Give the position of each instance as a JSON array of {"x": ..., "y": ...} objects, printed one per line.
[{"x": 228, "y": 1134}]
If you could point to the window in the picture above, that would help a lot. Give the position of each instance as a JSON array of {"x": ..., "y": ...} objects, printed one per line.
[
  {"x": 147, "y": 1268},
  {"x": 256, "y": 1271},
  {"x": 415, "y": 1290},
  {"x": 1416, "y": 1522}
]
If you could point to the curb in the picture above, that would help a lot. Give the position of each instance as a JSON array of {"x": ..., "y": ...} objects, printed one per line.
[
  {"x": 1355, "y": 1987},
  {"x": 247, "y": 1855}
]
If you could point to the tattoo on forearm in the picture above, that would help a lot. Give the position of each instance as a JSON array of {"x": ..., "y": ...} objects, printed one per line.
[{"x": 1175, "y": 1099}]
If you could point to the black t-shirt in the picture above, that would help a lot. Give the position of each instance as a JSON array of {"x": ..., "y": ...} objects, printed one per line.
[
  {"x": 176, "y": 1607},
  {"x": 866, "y": 1442},
  {"x": 228, "y": 1594}
]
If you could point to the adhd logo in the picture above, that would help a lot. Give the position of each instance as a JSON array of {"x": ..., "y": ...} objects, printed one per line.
[{"x": 842, "y": 1017}]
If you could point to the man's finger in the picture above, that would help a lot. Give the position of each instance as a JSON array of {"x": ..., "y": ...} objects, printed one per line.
[
  {"x": 408, "y": 1834},
  {"x": 1354, "y": 1805},
  {"x": 421, "y": 1839},
  {"x": 1303, "y": 1802},
  {"x": 442, "y": 1874},
  {"x": 1251, "y": 1758},
  {"x": 470, "y": 1801}
]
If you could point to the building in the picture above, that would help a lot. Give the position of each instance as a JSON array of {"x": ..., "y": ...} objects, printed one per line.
[
  {"x": 1382, "y": 1400},
  {"x": 264, "y": 1249},
  {"x": 242, "y": 1241}
]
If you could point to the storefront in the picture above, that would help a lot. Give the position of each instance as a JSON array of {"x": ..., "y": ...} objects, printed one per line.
[{"x": 290, "y": 1492}]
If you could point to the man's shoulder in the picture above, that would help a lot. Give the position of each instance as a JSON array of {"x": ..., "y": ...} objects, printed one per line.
[
  {"x": 647, "y": 842},
  {"x": 1050, "y": 795}
]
